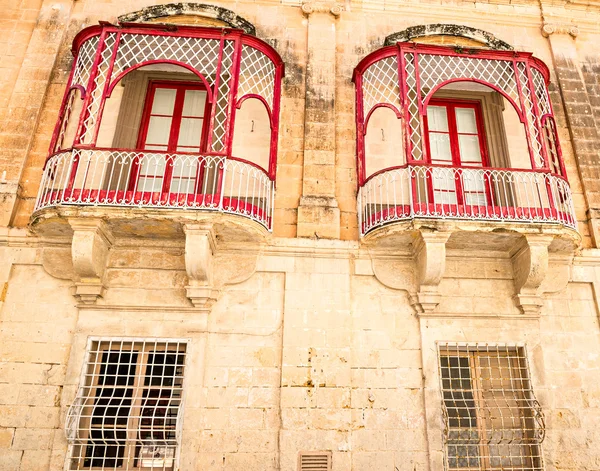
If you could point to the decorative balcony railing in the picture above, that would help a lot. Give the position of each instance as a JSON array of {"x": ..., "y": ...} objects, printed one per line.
[
  {"x": 481, "y": 194},
  {"x": 149, "y": 179}
]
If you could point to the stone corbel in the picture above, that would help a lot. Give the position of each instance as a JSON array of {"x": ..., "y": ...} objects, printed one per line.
[
  {"x": 559, "y": 28},
  {"x": 429, "y": 252},
  {"x": 199, "y": 252},
  {"x": 530, "y": 268},
  {"x": 89, "y": 251},
  {"x": 322, "y": 6}
]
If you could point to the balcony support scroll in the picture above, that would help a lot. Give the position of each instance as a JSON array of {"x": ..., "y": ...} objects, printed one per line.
[
  {"x": 199, "y": 252},
  {"x": 429, "y": 252},
  {"x": 89, "y": 251},
  {"x": 530, "y": 268}
]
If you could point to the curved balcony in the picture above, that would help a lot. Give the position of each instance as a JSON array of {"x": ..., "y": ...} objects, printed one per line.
[
  {"x": 458, "y": 134},
  {"x": 167, "y": 117},
  {"x": 142, "y": 179},
  {"x": 482, "y": 194}
]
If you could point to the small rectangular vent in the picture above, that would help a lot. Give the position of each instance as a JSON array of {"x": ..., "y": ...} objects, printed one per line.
[{"x": 315, "y": 461}]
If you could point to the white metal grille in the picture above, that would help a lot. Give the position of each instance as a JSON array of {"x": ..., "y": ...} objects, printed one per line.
[
  {"x": 201, "y": 54},
  {"x": 66, "y": 117},
  {"x": 96, "y": 91},
  {"x": 257, "y": 74},
  {"x": 314, "y": 461},
  {"x": 126, "y": 414},
  {"x": 541, "y": 92},
  {"x": 222, "y": 98},
  {"x": 435, "y": 69},
  {"x": 412, "y": 104},
  {"x": 380, "y": 84},
  {"x": 532, "y": 124},
  {"x": 492, "y": 419},
  {"x": 85, "y": 59}
]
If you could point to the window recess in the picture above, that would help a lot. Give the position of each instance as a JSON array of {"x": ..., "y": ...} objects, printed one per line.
[
  {"x": 127, "y": 412},
  {"x": 492, "y": 420}
]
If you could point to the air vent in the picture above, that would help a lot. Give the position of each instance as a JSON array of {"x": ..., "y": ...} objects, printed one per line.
[{"x": 314, "y": 461}]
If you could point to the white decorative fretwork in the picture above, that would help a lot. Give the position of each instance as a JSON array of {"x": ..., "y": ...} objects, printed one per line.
[
  {"x": 380, "y": 84},
  {"x": 257, "y": 74}
]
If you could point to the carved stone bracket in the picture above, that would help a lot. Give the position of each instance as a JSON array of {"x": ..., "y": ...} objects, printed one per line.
[
  {"x": 429, "y": 252},
  {"x": 89, "y": 251},
  {"x": 530, "y": 267},
  {"x": 559, "y": 28},
  {"x": 199, "y": 251},
  {"x": 322, "y": 6}
]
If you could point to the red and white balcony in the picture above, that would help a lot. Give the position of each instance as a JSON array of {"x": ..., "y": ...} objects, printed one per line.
[
  {"x": 466, "y": 135},
  {"x": 167, "y": 117}
]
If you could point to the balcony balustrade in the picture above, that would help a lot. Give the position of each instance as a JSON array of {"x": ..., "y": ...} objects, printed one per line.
[
  {"x": 142, "y": 179},
  {"x": 478, "y": 194}
]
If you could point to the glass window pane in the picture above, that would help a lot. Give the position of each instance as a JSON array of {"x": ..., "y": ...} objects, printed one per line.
[
  {"x": 465, "y": 120},
  {"x": 164, "y": 101},
  {"x": 149, "y": 184},
  {"x": 440, "y": 148},
  {"x": 190, "y": 133},
  {"x": 437, "y": 118},
  {"x": 470, "y": 153},
  {"x": 194, "y": 103},
  {"x": 159, "y": 129}
]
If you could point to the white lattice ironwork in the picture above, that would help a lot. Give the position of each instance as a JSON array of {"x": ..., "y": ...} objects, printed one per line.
[
  {"x": 127, "y": 412},
  {"x": 83, "y": 65},
  {"x": 257, "y": 74},
  {"x": 435, "y": 69},
  {"x": 412, "y": 105},
  {"x": 74, "y": 94},
  {"x": 380, "y": 84},
  {"x": 200, "y": 53},
  {"x": 218, "y": 143},
  {"x": 492, "y": 419},
  {"x": 96, "y": 90},
  {"x": 541, "y": 92},
  {"x": 157, "y": 180},
  {"x": 531, "y": 120},
  {"x": 481, "y": 194}
]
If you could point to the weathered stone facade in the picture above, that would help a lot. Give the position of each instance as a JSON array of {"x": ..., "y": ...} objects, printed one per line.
[{"x": 309, "y": 337}]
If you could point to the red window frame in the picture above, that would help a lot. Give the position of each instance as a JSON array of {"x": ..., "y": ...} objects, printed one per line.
[
  {"x": 451, "y": 104},
  {"x": 181, "y": 87}
]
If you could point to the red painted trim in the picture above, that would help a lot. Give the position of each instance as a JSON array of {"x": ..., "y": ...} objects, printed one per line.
[
  {"x": 90, "y": 87},
  {"x": 249, "y": 162},
  {"x": 275, "y": 116},
  {"x": 166, "y": 61},
  {"x": 84, "y": 35},
  {"x": 523, "y": 107},
  {"x": 216, "y": 94},
  {"x": 111, "y": 66},
  {"x": 234, "y": 81},
  {"x": 257, "y": 97},
  {"x": 538, "y": 121},
  {"x": 360, "y": 131},
  {"x": 380, "y": 105}
]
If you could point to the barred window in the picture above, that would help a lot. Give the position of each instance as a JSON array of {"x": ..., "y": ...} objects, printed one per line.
[
  {"x": 126, "y": 412},
  {"x": 492, "y": 419}
]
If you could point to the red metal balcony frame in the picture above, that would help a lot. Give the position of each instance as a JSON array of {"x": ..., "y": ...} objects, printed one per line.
[
  {"x": 533, "y": 116},
  {"x": 109, "y": 40}
]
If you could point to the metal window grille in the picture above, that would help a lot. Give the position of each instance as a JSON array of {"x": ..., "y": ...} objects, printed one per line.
[
  {"x": 85, "y": 59},
  {"x": 126, "y": 414},
  {"x": 222, "y": 98},
  {"x": 492, "y": 419},
  {"x": 314, "y": 461}
]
